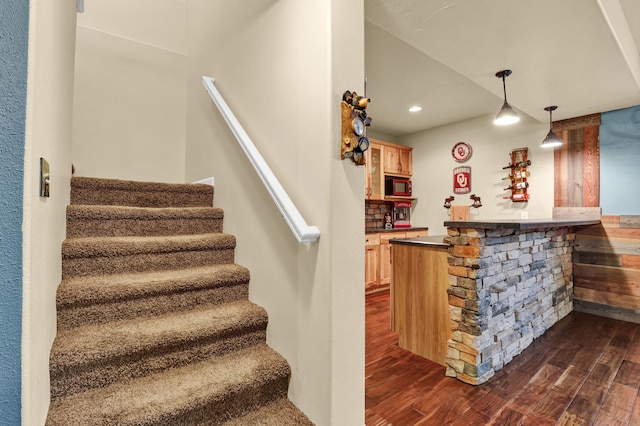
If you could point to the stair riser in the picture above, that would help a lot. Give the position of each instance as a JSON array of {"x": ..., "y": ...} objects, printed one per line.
[
  {"x": 114, "y": 197},
  {"x": 93, "y": 191},
  {"x": 85, "y": 266},
  {"x": 101, "y": 313},
  {"x": 69, "y": 381},
  {"x": 78, "y": 228},
  {"x": 236, "y": 404}
]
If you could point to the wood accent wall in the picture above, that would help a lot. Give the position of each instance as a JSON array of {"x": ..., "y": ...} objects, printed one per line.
[
  {"x": 577, "y": 162},
  {"x": 606, "y": 268}
]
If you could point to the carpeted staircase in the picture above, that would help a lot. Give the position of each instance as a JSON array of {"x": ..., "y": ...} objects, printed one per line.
[{"x": 154, "y": 323}]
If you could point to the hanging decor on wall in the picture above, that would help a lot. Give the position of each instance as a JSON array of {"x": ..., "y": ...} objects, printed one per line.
[
  {"x": 462, "y": 180},
  {"x": 518, "y": 175},
  {"x": 461, "y": 152},
  {"x": 354, "y": 123}
]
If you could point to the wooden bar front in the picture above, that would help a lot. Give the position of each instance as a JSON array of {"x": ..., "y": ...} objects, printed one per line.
[{"x": 420, "y": 309}]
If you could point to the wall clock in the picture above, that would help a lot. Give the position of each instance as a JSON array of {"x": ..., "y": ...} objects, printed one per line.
[{"x": 461, "y": 152}]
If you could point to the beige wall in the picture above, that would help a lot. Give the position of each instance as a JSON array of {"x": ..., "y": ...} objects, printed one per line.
[
  {"x": 282, "y": 67},
  {"x": 130, "y": 82},
  {"x": 433, "y": 170},
  {"x": 48, "y": 135}
]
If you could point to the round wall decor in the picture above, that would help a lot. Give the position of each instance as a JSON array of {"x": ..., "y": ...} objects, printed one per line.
[{"x": 461, "y": 152}]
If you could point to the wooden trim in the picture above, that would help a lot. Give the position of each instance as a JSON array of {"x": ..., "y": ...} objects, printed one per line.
[
  {"x": 629, "y": 315},
  {"x": 577, "y": 122}
]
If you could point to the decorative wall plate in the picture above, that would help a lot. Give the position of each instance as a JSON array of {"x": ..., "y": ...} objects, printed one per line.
[{"x": 461, "y": 152}]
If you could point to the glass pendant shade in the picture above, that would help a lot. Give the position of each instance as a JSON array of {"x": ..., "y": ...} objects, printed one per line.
[
  {"x": 551, "y": 140},
  {"x": 507, "y": 115}
]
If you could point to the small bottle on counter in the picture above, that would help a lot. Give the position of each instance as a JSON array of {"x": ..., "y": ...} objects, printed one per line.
[{"x": 387, "y": 221}]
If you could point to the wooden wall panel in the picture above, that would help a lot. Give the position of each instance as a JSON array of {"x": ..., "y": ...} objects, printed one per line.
[
  {"x": 606, "y": 268},
  {"x": 591, "y": 167},
  {"x": 577, "y": 163}
]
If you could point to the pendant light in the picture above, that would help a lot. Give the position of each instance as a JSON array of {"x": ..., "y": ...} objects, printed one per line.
[
  {"x": 551, "y": 140},
  {"x": 507, "y": 115}
]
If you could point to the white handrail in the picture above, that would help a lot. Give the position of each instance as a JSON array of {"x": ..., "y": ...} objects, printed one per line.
[{"x": 303, "y": 232}]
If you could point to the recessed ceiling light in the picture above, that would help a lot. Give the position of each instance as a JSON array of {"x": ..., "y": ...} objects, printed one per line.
[{"x": 415, "y": 108}]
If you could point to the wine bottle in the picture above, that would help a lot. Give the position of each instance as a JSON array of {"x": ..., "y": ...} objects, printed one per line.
[
  {"x": 518, "y": 185},
  {"x": 518, "y": 164},
  {"x": 518, "y": 175},
  {"x": 517, "y": 197}
]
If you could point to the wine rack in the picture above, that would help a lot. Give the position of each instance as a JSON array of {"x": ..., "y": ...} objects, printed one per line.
[{"x": 518, "y": 175}]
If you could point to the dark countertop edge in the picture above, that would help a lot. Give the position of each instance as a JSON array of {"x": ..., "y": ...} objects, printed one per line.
[
  {"x": 432, "y": 241},
  {"x": 524, "y": 224},
  {"x": 383, "y": 230}
]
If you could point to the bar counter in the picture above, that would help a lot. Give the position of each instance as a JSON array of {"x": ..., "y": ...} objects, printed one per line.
[{"x": 486, "y": 290}]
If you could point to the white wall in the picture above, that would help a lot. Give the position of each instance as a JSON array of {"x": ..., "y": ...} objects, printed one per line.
[
  {"x": 282, "y": 67},
  {"x": 48, "y": 135},
  {"x": 433, "y": 170},
  {"x": 130, "y": 86}
]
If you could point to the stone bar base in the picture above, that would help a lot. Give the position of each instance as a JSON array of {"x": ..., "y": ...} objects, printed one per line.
[{"x": 506, "y": 288}]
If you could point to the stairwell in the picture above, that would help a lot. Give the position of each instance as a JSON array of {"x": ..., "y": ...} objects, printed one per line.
[{"x": 154, "y": 322}]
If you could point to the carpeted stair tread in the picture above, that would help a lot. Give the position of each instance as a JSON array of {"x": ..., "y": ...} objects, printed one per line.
[
  {"x": 278, "y": 413},
  {"x": 97, "y": 289},
  {"x": 101, "y": 220},
  {"x": 119, "y": 246},
  {"x": 111, "y": 255},
  {"x": 208, "y": 392},
  {"x": 93, "y": 191},
  {"x": 95, "y": 344}
]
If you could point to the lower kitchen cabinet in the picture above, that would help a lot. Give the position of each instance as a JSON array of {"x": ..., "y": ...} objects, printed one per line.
[
  {"x": 378, "y": 257},
  {"x": 371, "y": 260}
]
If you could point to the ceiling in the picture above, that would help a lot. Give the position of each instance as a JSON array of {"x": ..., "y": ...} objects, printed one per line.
[{"x": 581, "y": 55}]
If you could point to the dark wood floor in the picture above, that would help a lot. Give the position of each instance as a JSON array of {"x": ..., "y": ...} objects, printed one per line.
[{"x": 585, "y": 370}]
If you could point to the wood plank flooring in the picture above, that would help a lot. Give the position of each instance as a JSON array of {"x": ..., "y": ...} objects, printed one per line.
[{"x": 585, "y": 370}]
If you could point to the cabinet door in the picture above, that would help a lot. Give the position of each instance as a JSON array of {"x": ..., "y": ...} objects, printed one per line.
[
  {"x": 398, "y": 160},
  {"x": 405, "y": 160},
  {"x": 371, "y": 278},
  {"x": 374, "y": 175},
  {"x": 391, "y": 162},
  {"x": 385, "y": 255}
]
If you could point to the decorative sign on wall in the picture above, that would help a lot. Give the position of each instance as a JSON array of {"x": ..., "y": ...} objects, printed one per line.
[
  {"x": 462, "y": 180},
  {"x": 461, "y": 152}
]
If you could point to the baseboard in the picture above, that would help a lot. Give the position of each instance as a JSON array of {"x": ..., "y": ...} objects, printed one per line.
[
  {"x": 206, "y": 181},
  {"x": 606, "y": 311}
]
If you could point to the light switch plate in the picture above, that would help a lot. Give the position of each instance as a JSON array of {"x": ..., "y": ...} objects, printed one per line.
[{"x": 44, "y": 178}]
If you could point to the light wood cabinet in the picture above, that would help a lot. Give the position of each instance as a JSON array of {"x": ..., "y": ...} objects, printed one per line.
[
  {"x": 374, "y": 179},
  {"x": 371, "y": 260},
  {"x": 378, "y": 264},
  {"x": 398, "y": 160},
  {"x": 420, "y": 306},
  {"x": 384, "y": 158},
  {"x": 385, "y": 255}
]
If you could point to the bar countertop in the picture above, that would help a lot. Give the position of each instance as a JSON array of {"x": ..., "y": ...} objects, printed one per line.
[
  {"x": 384, "y": 230},
  {"x": 433, "y": 241},
  {"x": 524, "y": 224}
]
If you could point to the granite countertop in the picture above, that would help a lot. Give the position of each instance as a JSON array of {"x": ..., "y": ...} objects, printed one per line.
[
  {"x": 433, "y": 241},
  {"x": 383, "y": 230},
  {"x": 524, "y": 224}
]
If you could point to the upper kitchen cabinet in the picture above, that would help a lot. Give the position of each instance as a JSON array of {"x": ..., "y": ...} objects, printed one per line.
[
  {"x": 397, "y": 160},
  {"x": 374, "y": 186},
  {"x": 384, "y": 158}
]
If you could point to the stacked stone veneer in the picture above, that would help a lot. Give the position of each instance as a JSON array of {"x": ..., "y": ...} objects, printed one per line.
[{"x": 507, "y": 287}]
